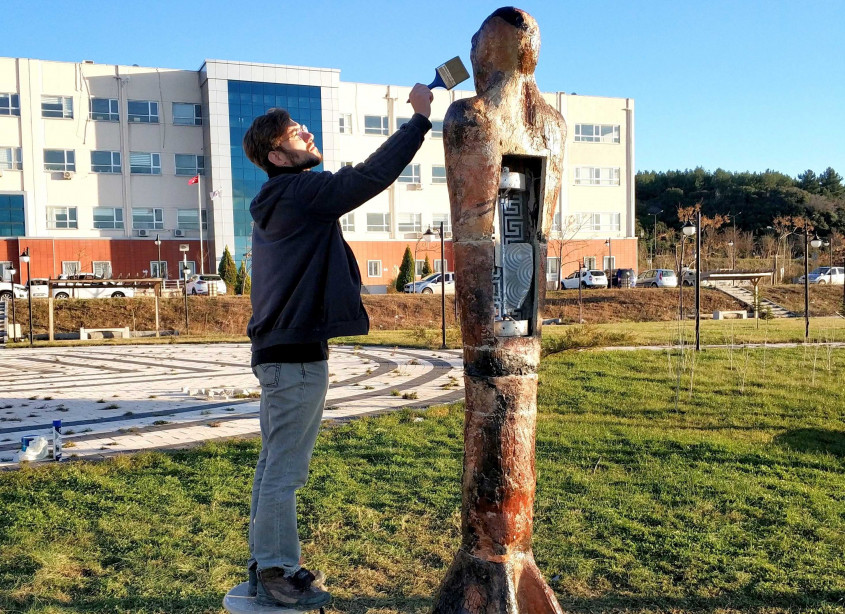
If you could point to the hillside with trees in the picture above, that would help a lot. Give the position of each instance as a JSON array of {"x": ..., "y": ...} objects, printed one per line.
[{"x": 755, "y": 211}]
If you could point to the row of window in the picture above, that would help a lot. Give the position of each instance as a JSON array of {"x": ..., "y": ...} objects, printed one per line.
[
  {"x": 102, "y": 161},
  {"x": 103, "y": 268},
  {"x": 380, "y": 125},
  {"x": 107, "y": 109},
  {"x": 111, "y": 218},
  {"x": 587, "y": 221},
  {"x": 406, "y": 222},
  {"x": 374, "y": 267}
]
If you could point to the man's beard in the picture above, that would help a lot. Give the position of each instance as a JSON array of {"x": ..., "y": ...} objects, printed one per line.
[{"x": 306, "y": 160}]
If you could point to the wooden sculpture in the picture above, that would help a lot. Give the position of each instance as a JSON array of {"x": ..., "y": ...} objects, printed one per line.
[{"x": 504, "y": 159}]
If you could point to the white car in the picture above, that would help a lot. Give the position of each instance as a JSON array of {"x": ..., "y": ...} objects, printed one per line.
[
  {"x": 431, "y": 284},
  {"x": 586, "y": 278},
  {"x": 6, "y": 289},
  {"x": 658, "y": 278},
  {"x": 199, "y": 284},
  {"x": 826, "y": 275},
  {"x": 39, "y": 287}
]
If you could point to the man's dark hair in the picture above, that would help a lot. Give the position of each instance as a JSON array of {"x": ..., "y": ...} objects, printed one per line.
[{"x": 264, "y": 135}]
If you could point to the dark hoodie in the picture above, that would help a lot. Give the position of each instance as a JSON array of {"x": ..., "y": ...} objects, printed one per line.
[{"x": 306, "y": 286}]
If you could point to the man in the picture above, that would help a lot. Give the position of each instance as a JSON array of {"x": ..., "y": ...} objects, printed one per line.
[{"x": 306, "y": 288}]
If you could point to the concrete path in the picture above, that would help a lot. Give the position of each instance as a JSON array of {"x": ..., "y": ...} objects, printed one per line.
[{"x": 114, "y": 399}]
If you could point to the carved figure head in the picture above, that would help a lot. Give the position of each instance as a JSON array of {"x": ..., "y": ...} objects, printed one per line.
[{"x": 507, "y": 44}]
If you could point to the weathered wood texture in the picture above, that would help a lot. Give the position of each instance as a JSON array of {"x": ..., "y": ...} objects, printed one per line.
[{"x": 494, "y": 570}]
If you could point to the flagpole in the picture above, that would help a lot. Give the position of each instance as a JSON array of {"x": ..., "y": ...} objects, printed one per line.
[{"x": 199, "y": 220}]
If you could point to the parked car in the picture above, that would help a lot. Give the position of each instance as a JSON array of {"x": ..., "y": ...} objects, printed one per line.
[
  {"x": 199, "y": 284},
  {"x": 624, "y": 278},
  {"x": 826, "y": 275},
  {"x": 101, "y": 288},
  {"x": 586, "y": 278},
  {"x": 7, "y": 288},
  {"x": 39, "y": 286},
  {"x": 657, "y": 278},
  {"x": 431, "y": 284}
]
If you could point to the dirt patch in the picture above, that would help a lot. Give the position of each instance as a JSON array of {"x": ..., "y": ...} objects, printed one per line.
[{"x": 824, "y": 300}]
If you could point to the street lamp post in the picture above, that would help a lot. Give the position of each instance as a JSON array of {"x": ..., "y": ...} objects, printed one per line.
[
  {"x": 733, "y": 262},
  {"x": 158, "y": 266},
  {"x": 816, "y": 242},
  {"x": 654, "y": 248},
  {"x": 609, "y": 262},
  {"x": 14, "y": 313},
  {"x": 25, "y": 259},
  {"x": 698, "y": 281},
  {"x": 442, "y": 288}
]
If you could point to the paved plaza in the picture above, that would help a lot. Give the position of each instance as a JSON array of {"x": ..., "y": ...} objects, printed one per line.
[{"x": 114, "y": 399}]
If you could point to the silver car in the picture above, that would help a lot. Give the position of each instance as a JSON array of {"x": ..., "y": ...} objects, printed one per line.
[
  {"x": 826, "y": 275},
  {"x": 657, "y": 278}
]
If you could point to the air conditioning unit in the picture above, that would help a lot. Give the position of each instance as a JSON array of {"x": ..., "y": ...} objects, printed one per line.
[
  {"x": 143, "y": 232},
  {"x": 178, "y": 232},
  {"x": 67, "y": 175},
  {"x": 415, "y": 186}
]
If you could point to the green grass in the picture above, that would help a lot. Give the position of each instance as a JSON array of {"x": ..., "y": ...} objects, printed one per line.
[{"x": 731, "y": 499}]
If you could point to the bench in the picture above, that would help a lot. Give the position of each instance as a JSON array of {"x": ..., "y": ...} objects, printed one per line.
[
  {"x": 85, "y": 333},
  {"x": 724, "y": 315}
]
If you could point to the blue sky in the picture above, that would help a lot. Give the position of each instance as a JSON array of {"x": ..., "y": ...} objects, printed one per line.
[{"x": 741, "y": 85}]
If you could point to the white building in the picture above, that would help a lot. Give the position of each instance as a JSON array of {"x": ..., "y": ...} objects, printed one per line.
[{"x": 96, "y": 159}]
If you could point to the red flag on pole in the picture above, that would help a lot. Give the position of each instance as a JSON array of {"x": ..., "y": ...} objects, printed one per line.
[{"x": 194, "y": 179}]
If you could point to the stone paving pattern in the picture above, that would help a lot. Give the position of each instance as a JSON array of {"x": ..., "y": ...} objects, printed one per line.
[{"x": 114, "y": 399}]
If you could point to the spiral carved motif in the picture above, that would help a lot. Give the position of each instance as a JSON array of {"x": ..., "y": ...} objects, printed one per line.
[{"x": 518, "y": 262}]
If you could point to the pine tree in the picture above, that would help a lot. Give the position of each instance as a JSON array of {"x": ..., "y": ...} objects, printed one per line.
[
  {"x": 227, "y": 270},
  {"x": 406, "y": 270},
  {"x": 427, "y": 267},
  {"x": 247, "y": 289},
  {"x": 239, "y": 284}
]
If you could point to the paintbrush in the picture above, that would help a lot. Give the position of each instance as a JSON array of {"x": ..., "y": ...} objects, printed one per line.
[{"x": 448, "y": 75}]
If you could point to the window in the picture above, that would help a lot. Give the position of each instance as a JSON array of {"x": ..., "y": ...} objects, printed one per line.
[
  {"x": 438, "y": 173},
  {"x": 437, "y": 129},
  {"x": 10, "y": 104},
  {"x": 400, "y": 121},
  {"x": 187, "y": 114},
  {"x": 375, "y": 124},
  {"x": 11, "y": 215},
  {"x": 102, "y": 268},
  {"x": 596, "y": 133},
  {"x": 437, "y": 218},
  {"x": 556, "y": 226},
  {"x": 57, "y": 106},
  {"x": 590, "y": 262},
  {"x": 142, "y": 163},
  {"x": 599, "y": 221},
  {"x": 552, "y": 269},
  {"x": 373, "y": 268},
  {"x": 105, "y": 161},
  {"x": 104, "y": 109},
  {"x": 108, "y": 218},
  {"x": 186, "y": 219},
  {"x": 410, "y": 222},
  {"x": 609, "y": 263},
  {"x": 190, "y": 265},
  {"x": 10, "y": 159},
  {"x": 143, "y": 111},
  {"x": 71, "y": 267},
  {"x": 378, "y": 222},
  {"x": 411, "y": 174},
  {"x": 438, "y": 266},
  {"x": 59, "y": 160},
  {"x": 418, "y": 267},
  {"x": 148, "y": 219},
  {"x": 158, "y": 268},
  {"x": 61, "y": 217},
  {"x": 189, "y": 165},
  {"x": 593, "y": 175},
  {"x": 345, "y": 123},
  {"x": 347, "y": 222}
]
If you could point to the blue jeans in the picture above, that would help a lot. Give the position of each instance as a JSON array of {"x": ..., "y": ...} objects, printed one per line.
[{"x": 292, "y": 400}]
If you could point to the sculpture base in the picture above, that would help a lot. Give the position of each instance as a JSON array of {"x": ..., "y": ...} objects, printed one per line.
[
  {"x": 238, "y": 601},
  {"x": 476, "y": 586}
]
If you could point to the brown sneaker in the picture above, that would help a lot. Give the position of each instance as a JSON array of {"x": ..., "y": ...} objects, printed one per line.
[
  {"x": 319, "y": 579},
  {"x": 296, "y": 591}
]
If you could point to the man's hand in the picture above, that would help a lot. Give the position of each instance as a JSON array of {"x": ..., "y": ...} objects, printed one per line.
[{"x": 420, "y": 99}]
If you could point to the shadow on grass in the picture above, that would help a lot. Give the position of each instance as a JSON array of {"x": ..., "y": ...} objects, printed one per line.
[{"x": 814, "y": 440}]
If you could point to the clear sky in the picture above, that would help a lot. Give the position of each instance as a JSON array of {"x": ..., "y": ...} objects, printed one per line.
[{"x": 741, "y": 84}]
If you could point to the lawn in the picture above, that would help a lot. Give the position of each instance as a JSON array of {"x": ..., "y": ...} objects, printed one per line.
[{"x": 667, "y": 483}]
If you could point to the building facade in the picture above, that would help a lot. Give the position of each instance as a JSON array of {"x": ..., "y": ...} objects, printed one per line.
[{"x": 98, "y": 165}]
